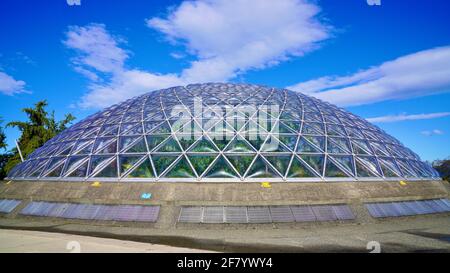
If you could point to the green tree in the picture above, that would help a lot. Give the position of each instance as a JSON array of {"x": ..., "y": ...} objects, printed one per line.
[
  {"x": 443, "y": 168},
  {"x": 4, "y": 157},
  {"x": 40, "y": 127}
]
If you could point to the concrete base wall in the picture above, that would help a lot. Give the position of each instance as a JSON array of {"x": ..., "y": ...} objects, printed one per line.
[{"x": 173, "y": 195}]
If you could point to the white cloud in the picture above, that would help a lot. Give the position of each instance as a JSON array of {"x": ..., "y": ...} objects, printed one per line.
[
  {"x": 102, "y": 61},
  {"x": 230, "y": 37},
  {"x": 420, "y": 74},
  {"x": 432, "y": 132},
  {"x": 99, "y": 49},
  {"x": 226, "y": 37},
  {"x": 403, "y": 117},
  {"x": 10, "y": 86}
]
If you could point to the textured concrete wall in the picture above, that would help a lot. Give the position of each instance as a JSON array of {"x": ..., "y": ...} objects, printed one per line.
[
  {"x": 173, "y": 195},
  {"x": 223, "y": 193}
]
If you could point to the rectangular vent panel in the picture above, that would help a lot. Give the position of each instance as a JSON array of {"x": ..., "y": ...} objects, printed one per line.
[
  {"x": 264, "y": 214},
  {"x": 407, "y": 208},
  {"x": 126, "y": 213},
  {"x": 8, "y": 205}
]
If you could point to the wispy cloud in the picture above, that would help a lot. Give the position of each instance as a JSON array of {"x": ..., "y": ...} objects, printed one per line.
[
  {"x": 432, "y": 132},
  {"x": 226, "y": 38},
  {"x": 420, "y": 74},
  {"x": 10, "y": 86},
  {"x": 403, "y": 117}
]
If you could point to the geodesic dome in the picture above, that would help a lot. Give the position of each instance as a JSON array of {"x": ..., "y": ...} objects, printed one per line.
[{"x": 223, "y": 132}]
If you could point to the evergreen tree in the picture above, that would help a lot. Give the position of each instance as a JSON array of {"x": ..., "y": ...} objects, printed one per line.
[{"x": 38, "y": 129}]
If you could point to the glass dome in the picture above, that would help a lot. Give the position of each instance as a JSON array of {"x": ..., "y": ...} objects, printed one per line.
[{"x": 223, "y": 133}]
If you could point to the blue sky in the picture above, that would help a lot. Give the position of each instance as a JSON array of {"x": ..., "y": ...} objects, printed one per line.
[{"x": 388, "y": 63}]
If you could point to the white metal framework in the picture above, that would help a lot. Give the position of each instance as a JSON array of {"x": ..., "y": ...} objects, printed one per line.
[{"x": 145, "y": 139}]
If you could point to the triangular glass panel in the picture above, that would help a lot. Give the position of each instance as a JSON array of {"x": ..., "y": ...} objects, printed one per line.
[
  {"x": 280, "y": 162},
  {"x": 316, "y": 162},
  {"x": 144, "y": 170},
  {"x": 379, "y": 149},
  {"x": 126, "y": 141},
  {"x": 124, "y": 127},
  {"x": 289, "y": 140},
  {"x": 81, "y": 147},
  {"x": 346, "y": 162},
  {"x": 282, "y": 129},
  {"x": 312, "y": 128},
  {"x": 361, "y": 147},
  {"x": 135, "y": 130},
  {"x": 208, "y": 123},
  {"x": 256, "y": 140},
  {"x": 220, "y": 140},
  {"x": 286, "y": 115},
  {"x": 298, "y": 169},
  {"x": 252, "y": 127},
  {"x": 65, "y": 149},
  {"x": 335, "y": 130},
  {"x": 85, "y": 150},
  {"x": 201, "y": 162},
  {"x": 240, "y": 162},
  {"x": 56, "y": 171},
  {"x": 292, "y": 124},
  {"x": 370, "y": 163},
  {"x": 203, "y": 146},
  {"x": 338, "y": 145},
  {"x": 80, "y": 171},
  {"x": 239, "y": 145},
  {"x": 222, "y": 128},
  {"x": 137, "y": 147},
  {"x": 110, "y": 170},
  {"x": 151, "y": 125},
  {"x": 181, "y": 169},
  {"x": 38, "y": 169},
  {"x": 260, "y": 169},
  {"x": 155, "y": 140},
  {"x": 237, "y": 123},
  {"x": 169, "y": 146},
  {"x": 362, "y": 171},
  {"x": 97, "y": 163},
  {"x": 73, "y": 162},
  {"x": 387, "y": 172},
  {"x": 162, "y": 128},
  {"x": 161, "y": 162},
  {"x": 90, "y": 132},
  {"x": 221, "y": 169},
  {"x": 389, "y": 167},
  {"x": 55, "y": 161},
  {"x": 272, "y": 144},
  {"x": 305, "y": 146},
  {"x": 354, "y": 132},
  {"x": 405, "y": 168},
  {"x": 105, "y": 145},
  {"x": 191, "y": 127},
  {"x": 312, "y": 116},
  {"x": 127, "y": 162},
  {"x": 109, "y": 130},
  {"x": 332, "y": 170},
  {"x": 318, "y": 141}
]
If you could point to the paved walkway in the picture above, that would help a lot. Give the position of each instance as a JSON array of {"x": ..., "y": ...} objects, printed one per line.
[{"x": 35, "y": 241}]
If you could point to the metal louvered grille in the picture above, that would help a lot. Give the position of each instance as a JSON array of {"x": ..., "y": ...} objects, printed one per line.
[
  {"x": 264, "y": 214},
  {"x": 126, "y": 213},
  {"x": 408, "y": 208},
  {"x": 8, "y": 205}
]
